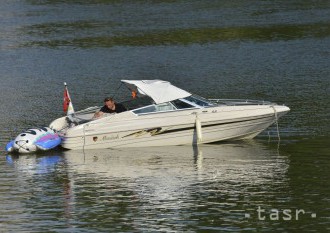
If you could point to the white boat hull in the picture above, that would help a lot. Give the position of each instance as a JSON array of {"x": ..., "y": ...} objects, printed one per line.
[{"x": 172, "y": 128}]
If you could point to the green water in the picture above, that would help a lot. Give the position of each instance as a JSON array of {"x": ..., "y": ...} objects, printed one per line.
[{"x": 266, "y": 50}]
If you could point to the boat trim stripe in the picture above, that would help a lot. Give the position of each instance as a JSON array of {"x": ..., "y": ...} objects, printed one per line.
[{"x": 211, "y": 125}]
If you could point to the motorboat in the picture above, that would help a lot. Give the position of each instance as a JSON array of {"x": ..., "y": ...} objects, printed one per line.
[{"x": 172, "y": 117}]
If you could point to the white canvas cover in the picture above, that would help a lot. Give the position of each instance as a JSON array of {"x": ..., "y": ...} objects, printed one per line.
[{"x": 160, "y": 91}]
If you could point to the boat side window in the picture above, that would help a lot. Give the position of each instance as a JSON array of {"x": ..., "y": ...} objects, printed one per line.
[{"x": 181, "y": 105}]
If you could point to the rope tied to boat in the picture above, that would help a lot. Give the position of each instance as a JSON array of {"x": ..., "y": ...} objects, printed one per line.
[{"x": 276, "y": 122}]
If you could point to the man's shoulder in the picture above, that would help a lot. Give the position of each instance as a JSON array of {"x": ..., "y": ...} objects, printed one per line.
[
  {"x": 105, "y": 109},
  {"x": 120, "y": 107},
  {"x": 119, "y": 104}
]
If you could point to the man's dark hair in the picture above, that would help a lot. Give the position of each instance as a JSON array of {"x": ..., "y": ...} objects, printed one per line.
[{"x": 108, "y": 99}]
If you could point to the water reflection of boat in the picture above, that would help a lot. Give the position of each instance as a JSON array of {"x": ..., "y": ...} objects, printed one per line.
[
  {"x": 242, "y": 161},
  {"x": 154, "y": 179},
  {"x": 225, "y": 161}
]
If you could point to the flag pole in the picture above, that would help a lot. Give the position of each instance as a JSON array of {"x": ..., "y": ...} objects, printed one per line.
[{"x": 67, "y": 103}]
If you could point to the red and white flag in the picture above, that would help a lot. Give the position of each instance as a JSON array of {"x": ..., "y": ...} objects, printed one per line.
[{"x": 67, "y": 104}]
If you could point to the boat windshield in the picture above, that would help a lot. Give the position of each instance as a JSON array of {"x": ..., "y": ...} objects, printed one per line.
[
  {"x": 184, "y": 103},
  {"x": 180, "y": 104},
  {"x": 197, "y": 100},
  {"x": 164, "y": 107}
]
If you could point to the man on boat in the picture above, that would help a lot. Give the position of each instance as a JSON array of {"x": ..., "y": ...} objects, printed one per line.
[{"x": 110, "y": 106}]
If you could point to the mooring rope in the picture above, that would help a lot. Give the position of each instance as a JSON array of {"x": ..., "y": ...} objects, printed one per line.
[{"x": 276, "y": 122}]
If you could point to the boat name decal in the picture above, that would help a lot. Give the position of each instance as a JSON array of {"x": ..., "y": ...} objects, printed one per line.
[{"x": 112, "y": 137}]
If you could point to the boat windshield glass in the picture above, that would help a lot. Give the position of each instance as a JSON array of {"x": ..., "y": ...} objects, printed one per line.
[
  {"x": 200, "y": 101},
  {"x": 164, "y": 107},
  {"x": 179, "y": 104}
]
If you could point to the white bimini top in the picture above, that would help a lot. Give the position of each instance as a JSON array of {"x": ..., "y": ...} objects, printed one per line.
[{"x": 158, "y": 90}]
